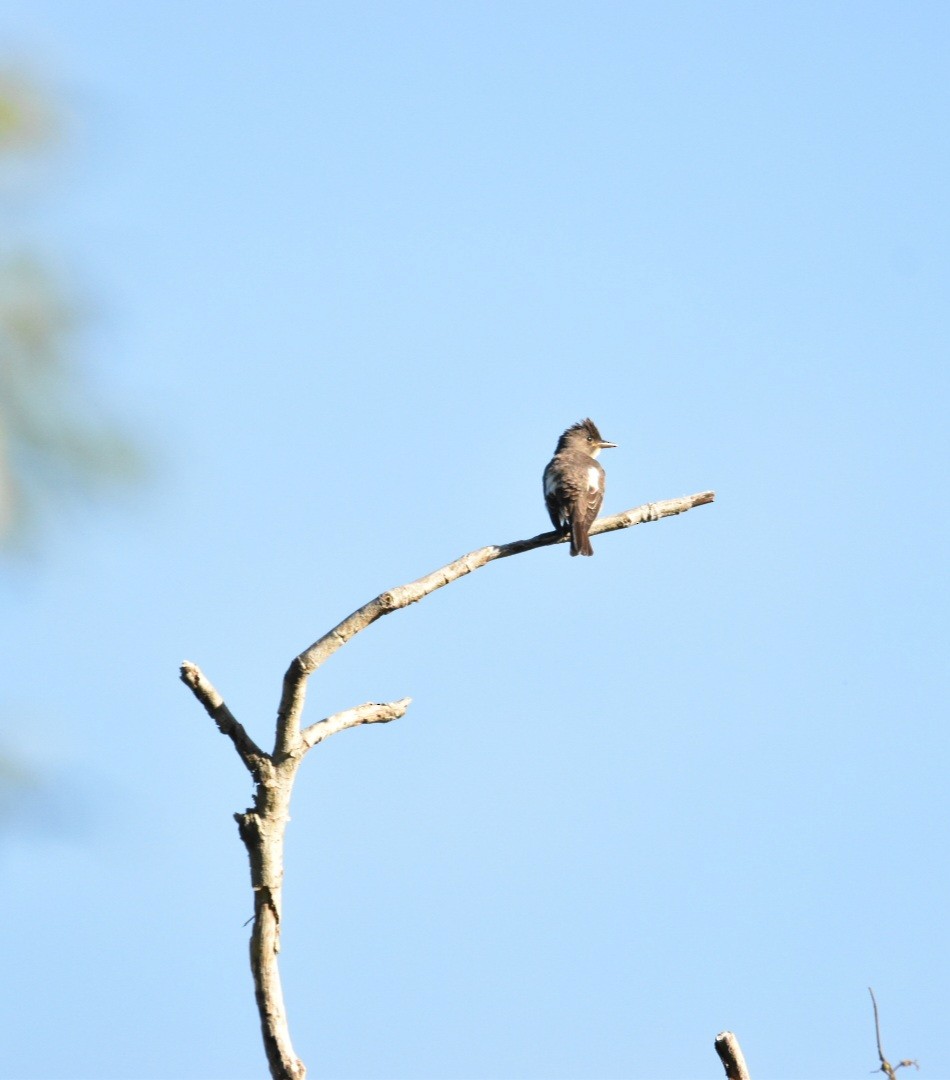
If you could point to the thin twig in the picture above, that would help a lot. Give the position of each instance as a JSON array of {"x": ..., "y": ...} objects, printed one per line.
[
  {"x": 370, "y": 713},
  {"x": 877, "y": 1032},
  {"x": 889, "y": 1070}
]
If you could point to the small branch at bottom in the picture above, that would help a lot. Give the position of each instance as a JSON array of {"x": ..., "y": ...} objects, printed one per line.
[
  {"x": 889, "y": 1070},
  {"x": 731, "y": 1056}
]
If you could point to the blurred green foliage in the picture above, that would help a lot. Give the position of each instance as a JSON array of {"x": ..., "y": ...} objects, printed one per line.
[{"x": 55, "y": 446}]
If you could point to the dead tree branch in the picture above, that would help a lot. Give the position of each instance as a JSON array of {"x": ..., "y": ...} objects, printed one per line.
[
  {"x": 304, "y": 665},
  {"x": 250, "y": 753},
  {"x": 731, "y": 1056},
  {"x": 889, "y": 1070},
  {"x": 263, "y": 825}
]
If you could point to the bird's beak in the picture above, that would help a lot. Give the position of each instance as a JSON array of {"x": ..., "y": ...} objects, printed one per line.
[{"x": 606, "y": 445}]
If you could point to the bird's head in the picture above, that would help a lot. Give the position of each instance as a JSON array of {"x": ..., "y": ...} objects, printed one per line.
[{"x": 585, "y": 438}]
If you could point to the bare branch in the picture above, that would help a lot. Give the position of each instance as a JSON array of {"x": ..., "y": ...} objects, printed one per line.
[
  {"x": 370, "y": 713},
  {"x": 731, "y": 1056},
  {"x": 250, "y": 753},
  {"x": 295, "y": 680},
  {"x": 889, "y": 1070}
]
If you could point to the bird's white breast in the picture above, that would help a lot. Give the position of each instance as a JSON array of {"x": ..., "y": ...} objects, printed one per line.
[
  {"x": 593, "y": 478},
  {"x": 550, "y": 483}
]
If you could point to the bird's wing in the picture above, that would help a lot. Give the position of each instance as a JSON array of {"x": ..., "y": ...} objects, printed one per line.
[
  {"x": 552, "y": 499},
  {"x": 595, "y": 491}
]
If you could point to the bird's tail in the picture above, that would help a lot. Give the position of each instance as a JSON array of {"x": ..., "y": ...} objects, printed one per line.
[{"x": 580, "y": 541}]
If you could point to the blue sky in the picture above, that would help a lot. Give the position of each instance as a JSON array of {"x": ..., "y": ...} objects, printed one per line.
[{"x": 350, "y": 269}]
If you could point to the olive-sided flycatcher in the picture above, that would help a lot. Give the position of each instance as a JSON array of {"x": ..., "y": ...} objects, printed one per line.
[{"x": 574, "y": 483}]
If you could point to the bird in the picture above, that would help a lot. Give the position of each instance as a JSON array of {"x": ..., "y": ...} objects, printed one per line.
[{"x": 574, "y": 483}]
